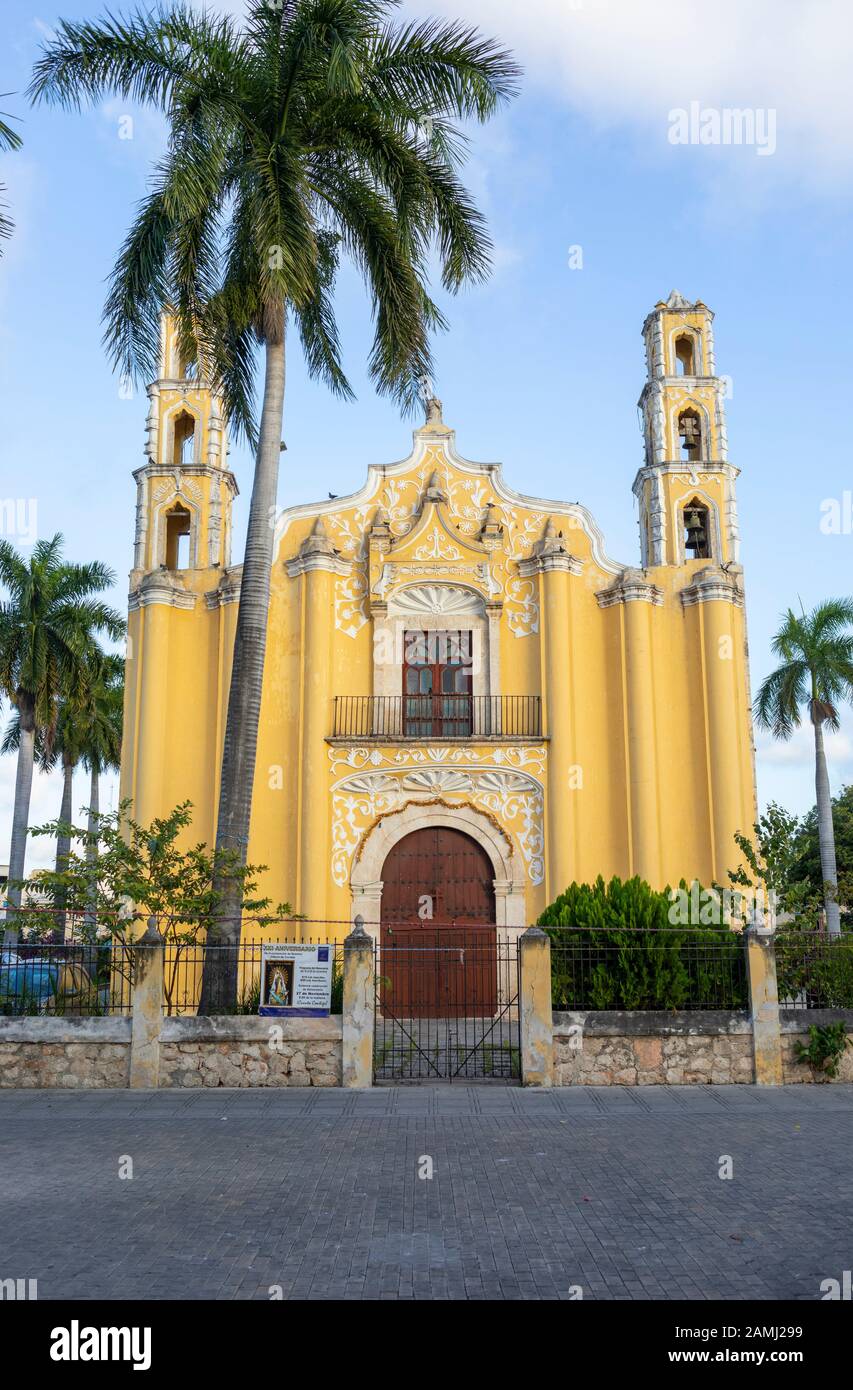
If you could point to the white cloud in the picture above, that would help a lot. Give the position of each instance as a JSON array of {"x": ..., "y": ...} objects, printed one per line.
[
  {"x": 799, "y": 749},
  {"x": 44, "y": 807},
  {"x": 619, "y": 63}
]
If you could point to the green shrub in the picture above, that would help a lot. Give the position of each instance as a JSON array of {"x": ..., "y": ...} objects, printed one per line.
[
  {"x": 815, "y": 969},
  {"x": 826, "y": 1048},
  {"x": 614, "y": 947}
]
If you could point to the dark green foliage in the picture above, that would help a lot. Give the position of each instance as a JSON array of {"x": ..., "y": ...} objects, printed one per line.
[
  {"x": 825, "y": 1049},
  {"x": 806, "y": 864},
  {"x": 337, "y": 1004},
  {"x": 614, "y": 946},
  {"x": 814, "y": 969}
]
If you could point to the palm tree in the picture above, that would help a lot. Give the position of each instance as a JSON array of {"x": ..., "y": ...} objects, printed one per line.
[
  {"x": 88, "y": 730},
  {"x": 102, "y": 736},
  {"x": 59, "y": 745},
  {"x": 9, "y": 140},
  {"x": 318, "y": 128},
  {"x": 47, "y": 630},
  {"x": 815, "y": 676}
]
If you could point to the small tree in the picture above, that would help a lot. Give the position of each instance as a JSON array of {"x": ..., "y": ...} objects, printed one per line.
[
  {"x": 141, "y": 872},
  {"x": 771, "y": 866},
  {"x": 807, "y": 865}
]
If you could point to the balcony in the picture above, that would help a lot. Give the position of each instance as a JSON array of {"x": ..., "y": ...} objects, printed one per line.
[{"x": 410, "y": 717}]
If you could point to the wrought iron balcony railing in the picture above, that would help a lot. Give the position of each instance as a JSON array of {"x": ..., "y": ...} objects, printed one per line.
[{"x": 437, "y": 716}]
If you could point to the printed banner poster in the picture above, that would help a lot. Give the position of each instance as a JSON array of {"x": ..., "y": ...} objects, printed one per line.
[{"x": 296, "y": 981}]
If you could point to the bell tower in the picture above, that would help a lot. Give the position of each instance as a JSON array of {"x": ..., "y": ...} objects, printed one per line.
[
  {"x": 185, "y": 489},
  {"x": 686, "y": 487}
]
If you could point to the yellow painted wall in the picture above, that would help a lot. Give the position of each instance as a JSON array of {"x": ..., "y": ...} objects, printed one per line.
[{"x": 646, "y": 764}]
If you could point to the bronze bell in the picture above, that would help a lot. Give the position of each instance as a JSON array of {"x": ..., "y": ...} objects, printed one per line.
[{"x": 695, "y": 533}]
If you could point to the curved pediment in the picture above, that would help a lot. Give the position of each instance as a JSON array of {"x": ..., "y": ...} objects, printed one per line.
[{"x": 399, "y": 491}]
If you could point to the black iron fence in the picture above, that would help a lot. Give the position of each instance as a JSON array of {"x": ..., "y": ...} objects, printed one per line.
[
  {"x": 227, "y": 979},
  {"x": 814, "y": 970},
  {"x": 40, "y": 976},
  {"x": 88, "y": 978},
  {"x": 437, "y": 716},
  {"x": 641, "y": 969}
]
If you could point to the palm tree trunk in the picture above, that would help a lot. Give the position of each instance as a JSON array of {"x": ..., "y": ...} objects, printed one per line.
[
  {"x": 91, "y": 916},
  {"x": 219, "y": 985},
  {"x": 21, "y": 812},
  {"x": 826, "y": 833},
  {"x": 63, "y": 839}
]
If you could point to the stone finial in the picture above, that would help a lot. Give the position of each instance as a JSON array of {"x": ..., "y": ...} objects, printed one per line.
[
  {"x": 358, "y": 937},
  {"x": 318, "y": 542},
  {"x": 435, "y": 491},
  {"x": 550, "y": 552},
  {"x": 551, "y": 543},
  {"x": 379, "y": 535},
  {"x": 491, "y": 531}
]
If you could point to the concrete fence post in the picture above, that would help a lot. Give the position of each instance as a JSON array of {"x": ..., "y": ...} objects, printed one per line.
[
  {"x": 536, "y": 1019},
  {"x": 764, "y": 1007},
  {"x": 359, "y": 1003},
  {"x": 147, "y": 1016}
]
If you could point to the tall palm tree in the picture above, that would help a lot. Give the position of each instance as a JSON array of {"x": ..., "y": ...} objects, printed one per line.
[
  {"x": 9, "y": 140},
  {"x": 57, "y": 746},
  {"x": 88, "y": 731},
  {"x": 48, "y": 625},
  {"x": 102, "y": 736},
  {"x": 319, "y": 127},
  {"x": 816, "y": 675}
]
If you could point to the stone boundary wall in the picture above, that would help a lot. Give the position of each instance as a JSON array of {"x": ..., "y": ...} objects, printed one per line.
[
  {"x": 148, "y": 1050},
  {"x": 652, "y": 1049},
  {"x": 65, "y": 1052},
  {"x": 249, "y": 1051},
  {"x": 233, "y": 1051},
  {"x": 794, "y": 1025}
]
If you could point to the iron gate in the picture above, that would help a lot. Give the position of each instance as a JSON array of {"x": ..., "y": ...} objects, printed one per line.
[{"x": 446, "y": 1006}]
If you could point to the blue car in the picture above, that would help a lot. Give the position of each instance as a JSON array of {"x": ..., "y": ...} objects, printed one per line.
[{"x": 34, "y": 977}]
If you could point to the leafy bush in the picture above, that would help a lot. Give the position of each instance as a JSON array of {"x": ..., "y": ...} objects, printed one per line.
[
  {"x": 826, "y": 1048},
  {"x": 613, "y": 946},
  {"x": 815, "y": 969}
]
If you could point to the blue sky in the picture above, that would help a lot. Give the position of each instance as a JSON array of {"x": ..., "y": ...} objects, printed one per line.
[{"x": 543, "y": 365}]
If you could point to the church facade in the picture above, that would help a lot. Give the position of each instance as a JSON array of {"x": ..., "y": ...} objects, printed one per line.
[{"x": 468, "y": 704}]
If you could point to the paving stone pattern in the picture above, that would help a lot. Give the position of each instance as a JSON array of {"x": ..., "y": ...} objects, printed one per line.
[{"x": 614, "y": 1189}]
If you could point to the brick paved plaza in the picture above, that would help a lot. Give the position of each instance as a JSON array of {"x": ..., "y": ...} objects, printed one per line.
[{"x": 318, "y": 1192}]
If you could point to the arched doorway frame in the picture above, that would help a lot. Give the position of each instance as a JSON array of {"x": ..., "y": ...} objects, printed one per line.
[{"x": 509, "y": 880}]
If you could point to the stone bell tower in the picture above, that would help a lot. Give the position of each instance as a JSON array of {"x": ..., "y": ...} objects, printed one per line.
[
  {"x": 185, "y": 489},
  {"x": 182, "y": 602},
  {"x": 686, "y": 487}
]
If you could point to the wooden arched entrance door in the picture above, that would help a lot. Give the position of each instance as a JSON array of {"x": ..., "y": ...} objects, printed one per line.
[{"x": 438, "y": 940}]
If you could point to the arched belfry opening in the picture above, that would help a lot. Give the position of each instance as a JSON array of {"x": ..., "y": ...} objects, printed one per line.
[
  {"x": 178, "y": 532},
  {"x": 184, "y": 446},
  {"x": 690, "y": 435},
  {"x": 697, "y": 530},
  {"x": 685, "y": 355}
]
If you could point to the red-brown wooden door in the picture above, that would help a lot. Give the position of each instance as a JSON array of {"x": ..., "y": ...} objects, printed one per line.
[{"x": 439, "y": 943}]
